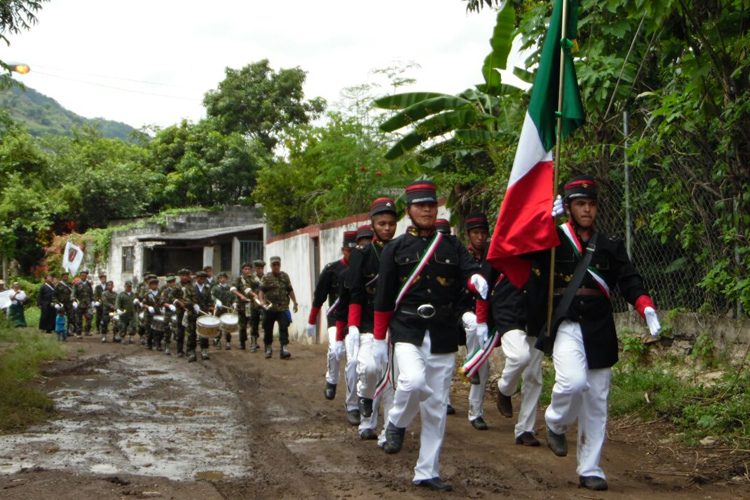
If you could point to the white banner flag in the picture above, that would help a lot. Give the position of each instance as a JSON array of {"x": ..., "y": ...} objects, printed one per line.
[{"x": 72, "y": 258}]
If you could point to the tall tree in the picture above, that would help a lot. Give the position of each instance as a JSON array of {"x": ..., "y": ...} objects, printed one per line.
[
  {"x": 262, "y": 103},
  {"x": 15, "y": 16}
]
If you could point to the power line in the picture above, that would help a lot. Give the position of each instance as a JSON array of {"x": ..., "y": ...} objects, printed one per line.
[{"x": 109, "y": 77}]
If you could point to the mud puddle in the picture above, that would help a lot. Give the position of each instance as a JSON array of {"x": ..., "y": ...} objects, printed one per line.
[{"x": 144, "y": 415}]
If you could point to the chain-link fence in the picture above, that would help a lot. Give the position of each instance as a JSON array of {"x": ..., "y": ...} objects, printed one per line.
[{"x": 671, "y": 275}]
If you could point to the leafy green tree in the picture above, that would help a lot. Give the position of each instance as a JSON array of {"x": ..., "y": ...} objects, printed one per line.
[
  {"x": 204, "y": 166},
  {"x": 261, "y": 103},
  {"x": 15, "y": 16}
]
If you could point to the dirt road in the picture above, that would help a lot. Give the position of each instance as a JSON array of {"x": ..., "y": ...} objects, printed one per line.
[{"x": 138, "y": 424}]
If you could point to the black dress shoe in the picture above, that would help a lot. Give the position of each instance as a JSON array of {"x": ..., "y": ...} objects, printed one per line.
[
  {"x": 504, "y": 404},
  {"x": 365, "y": 407},
  {"x": 394, "y": 438},
  {"x": 557, "y": 443},
  {"x": 595, "y": 483},
  {"x": 330, "y": 391},
  {"x": 450, "y": 410},
  {"x": 352, "y": 416},
  {"x": 434, "y": 484},
  {"x": 368, "y": 435},
  {"x": 479, "y": 424},
  {"x": 527, "y": 439}
]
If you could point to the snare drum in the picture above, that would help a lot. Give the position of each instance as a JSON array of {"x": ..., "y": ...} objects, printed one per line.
[
  {"x": 207, "y": 326},
  {"x": 229, "y": 322},
  {"x": 158, "y": 323}
]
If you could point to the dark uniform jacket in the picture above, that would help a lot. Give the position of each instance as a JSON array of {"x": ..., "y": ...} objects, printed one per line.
[
  {"x": 328, "y": 288},
  {"x": 594, "y": 312},
  {"x": 63, "y": 293},
  {"x": 362, "y": 281},
  {"x": 83, "y": 292},
  {"x": 440, "y": 284},
  {"x": 124, "y": 302},
  {"x": 512, "y": 308},
  {"x": 203, "y": 297}
]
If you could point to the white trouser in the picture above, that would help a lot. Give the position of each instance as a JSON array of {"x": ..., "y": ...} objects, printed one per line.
[
  {"x": 579, "y": 393},
  {"x": 423, "y": 384},
  {"x": 522, "y": 359},
  {"x": 476, "y": 391},
  {"x": 368, "y": 376},
  {"x": 333, "y": 361},
  {"x": 351, "y": 342}
]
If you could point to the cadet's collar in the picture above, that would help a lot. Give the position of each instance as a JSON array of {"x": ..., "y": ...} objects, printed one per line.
[{"x": 414, "y": 231}]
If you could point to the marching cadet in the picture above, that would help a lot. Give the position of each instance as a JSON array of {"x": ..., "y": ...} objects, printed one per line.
[
  {"x": 361, "y": 283},
  {"x": 201, "y": 302},
  {"x": 98, "y": 291},
  {"x": 83, "y": 293},
  {"x": 125, "y": 306},
  {"x": 275, "y": 292},
  {"x": 477, "y": 230},
  {"x": 182, "y": 297},
  {"x": 257, "y": 313},
  {"x": 223, "y": 299},
  {"x": 64, "y": 297},
  {"x": 245, "y": 289},
  {"x": 107, "y": 306},
  {"x": 210, "y": 281},
  {"x": 140, "y": 318},
  {"x": 167, "y": 298},
  {"x": 588, "y": 265},
  {"x": 46, "y": 303},
  {"x": 421, "y": 274},
  {"x": 327, "y": 288},
  {"x": 151, "y": 304}
]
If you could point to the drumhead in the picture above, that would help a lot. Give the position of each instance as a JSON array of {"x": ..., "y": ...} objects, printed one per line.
[
  {"x": 229, "y": 319},
  {"x": 158, "y": 318},
  {"x": 208, "y": 321}
]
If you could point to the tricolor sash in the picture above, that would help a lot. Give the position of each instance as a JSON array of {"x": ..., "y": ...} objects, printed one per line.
[{"x": 578, "y": 250}]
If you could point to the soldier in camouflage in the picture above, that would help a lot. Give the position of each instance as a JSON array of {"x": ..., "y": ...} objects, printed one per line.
[
  {"x": 223, "y": 303},
  {"x": 125, "y": 308},
  {"x": 98, "y": 291},
  {"x": 275, "y": 292},
  {"x": 245, "y": 288},
  {"x": 64, "y": 296},
  {"x": 167, "y": 298},
  {"x": 151, "y": 307},
  {"x": 83, "y": 294},
  {"x": 107, "y": 305}
]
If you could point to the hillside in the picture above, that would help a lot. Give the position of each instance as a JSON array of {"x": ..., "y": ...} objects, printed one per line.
[{"x": 43, "y": 115}]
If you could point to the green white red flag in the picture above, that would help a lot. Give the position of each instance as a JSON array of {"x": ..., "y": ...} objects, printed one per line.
[{"x": 524, "y": 223}]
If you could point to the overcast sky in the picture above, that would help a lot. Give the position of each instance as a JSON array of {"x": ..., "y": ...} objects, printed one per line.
[{"x": 150, "y": 62}]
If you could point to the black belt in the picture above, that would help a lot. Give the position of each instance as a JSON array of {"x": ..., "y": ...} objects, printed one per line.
[
  {"x": 425, "y": 311},
  {"x": 590, "y": 292}
]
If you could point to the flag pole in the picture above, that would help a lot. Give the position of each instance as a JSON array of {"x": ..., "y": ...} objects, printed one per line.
[{"x": 556, "y": 167}]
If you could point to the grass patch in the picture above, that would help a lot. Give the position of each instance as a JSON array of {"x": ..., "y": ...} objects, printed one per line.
[{"x": 22, "y": 350}]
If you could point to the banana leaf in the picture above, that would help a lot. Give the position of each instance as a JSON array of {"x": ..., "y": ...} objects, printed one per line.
[{"x": 502, "y": 38}]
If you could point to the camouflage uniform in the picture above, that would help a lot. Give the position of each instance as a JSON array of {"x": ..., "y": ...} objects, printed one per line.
[
  {"x": 126, "y": 320},
  {"x": 151, "y": 299},
  {"x": 83, "y": 293},
  {"x": 276, "y": 288},
  {"x": 201, "y": 297},
  {"x": 64, "y": 295},
  {"x": 248, "y": 309},
  {"x": 99, "y": 290},
  {"x": 108, "y": 299},
  {"x": 167, "y": 298}
]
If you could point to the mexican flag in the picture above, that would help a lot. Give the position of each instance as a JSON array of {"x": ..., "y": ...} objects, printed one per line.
[{"x": 524, "y": 223}]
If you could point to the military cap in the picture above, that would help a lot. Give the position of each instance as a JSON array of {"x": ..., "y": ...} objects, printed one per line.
[
  {"x": 246, "y": 264},
  {"x": 201, "y": 274},
  {"x": 275, "y": 259},
  {"x": 443, "y": 226},
  {"x": 128, "y": 283},
  {"x": 184, "y": 270},
  {"x": 350, "y": 239},
  {"x": 171, "y": 277},
  {"x": 102, "y": 273},
  {"x": 153, "y": 280},
  {"x": 477, "y": 221},
  {"x": 222, "y": 274},
  {"x": 382, "y": 205},
  {"x": 86, "y": 271},
  {"x": 582, "y": 186},
  {"x": 423, "y": 191},
  {"x": 259, "y": 263},
  {"x": 364, "y": 231}
]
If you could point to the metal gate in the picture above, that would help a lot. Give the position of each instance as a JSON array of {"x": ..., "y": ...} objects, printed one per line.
[{"x": 250, "y": 250}]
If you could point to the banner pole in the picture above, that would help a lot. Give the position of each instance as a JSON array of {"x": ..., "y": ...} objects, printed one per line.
[{"x": 556, "y": 167}]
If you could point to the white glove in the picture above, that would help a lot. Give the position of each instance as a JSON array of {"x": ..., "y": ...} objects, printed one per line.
[
  {"x": 310, "y": 330},
  {"x": 354, "y": 330},
  {"x": 353, "y": 339},
  {"x": 338, "y": 349},
  {"x": 248, "y": 291},
  {"x": 380, "y": 352},
  {"x": 470, "y": 321},
  {"x": 150, "y": 310},
  {"x": 136, "y": 302},
  {"x": 482, "y": 333},
  {"x": 75, "y": 305},
  {"x": 218, "y": 303},
  {"x": 557, "y": 207},
  {"x": 120, "y": 311},
  {"x": 57, "y": 306},
  {"x": 652, "y": 320},
  {"x": 196, "y": 308},
  {"x": 95, "y": 304},
  {"x": 480, "y": 284},
  {"x": 172, "y": 307}
]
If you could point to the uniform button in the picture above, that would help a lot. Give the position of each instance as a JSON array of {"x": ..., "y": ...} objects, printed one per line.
[{"x": 429, "y": 290}]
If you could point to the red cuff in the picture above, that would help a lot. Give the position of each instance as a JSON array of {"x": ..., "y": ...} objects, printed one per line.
[
  {"x": 382, "y": 320},
  {"x": 355, "y": 315},
  {"x": 470, "y": 286},
  {"x": 483, "y": 310},
  {"x": 641, "y": 303},
  {"x": 340, "y": 333},
  {"x": 313, "y": 318}
]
